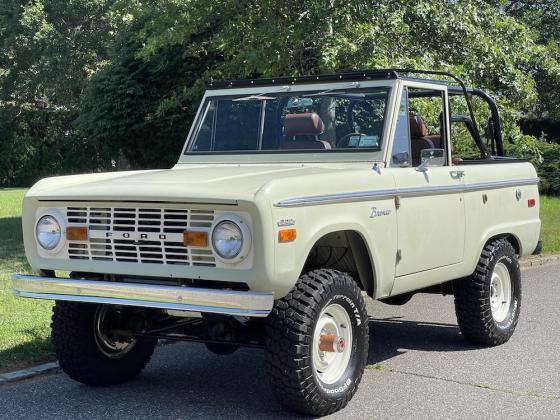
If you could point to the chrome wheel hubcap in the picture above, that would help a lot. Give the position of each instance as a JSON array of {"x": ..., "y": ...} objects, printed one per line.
[
  {"x": 332, "y": 344},
  {"x": 107, "y": 342},
  {"x": 500, "y": 292}
]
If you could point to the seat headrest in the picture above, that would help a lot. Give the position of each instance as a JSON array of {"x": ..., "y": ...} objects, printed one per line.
[
  {"x": 303, "y": 124},
  {"x": 417, "y": 127}
]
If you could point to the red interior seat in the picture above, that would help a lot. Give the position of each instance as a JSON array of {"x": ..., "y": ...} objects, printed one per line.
[{"x": 301, "y": 132}]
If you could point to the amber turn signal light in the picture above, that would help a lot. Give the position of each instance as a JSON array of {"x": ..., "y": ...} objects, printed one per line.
[
  {"x": 193, "y": 238},
  {"x": 77, "y": 233},
  {"x": 287, "y": 235}
]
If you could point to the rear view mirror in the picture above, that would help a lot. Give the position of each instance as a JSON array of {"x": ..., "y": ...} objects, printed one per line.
[{"x": 299, "y": 103}]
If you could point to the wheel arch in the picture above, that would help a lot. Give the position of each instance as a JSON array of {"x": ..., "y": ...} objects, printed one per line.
[
  {"x": 344, "y": 249},
  {"x": 510, "y": 237}
]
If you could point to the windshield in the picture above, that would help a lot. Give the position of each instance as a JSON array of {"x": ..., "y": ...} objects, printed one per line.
[{"x": 321, "y": 121}]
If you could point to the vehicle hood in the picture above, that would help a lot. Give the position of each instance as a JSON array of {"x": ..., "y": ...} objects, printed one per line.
[{"x": 193, "y": 183}]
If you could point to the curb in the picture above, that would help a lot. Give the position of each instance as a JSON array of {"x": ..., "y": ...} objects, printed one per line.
[
  {"x": 31, "y": 372},
  {"x": 538, "y": 261},
  {"x": 45, "y": 368}
]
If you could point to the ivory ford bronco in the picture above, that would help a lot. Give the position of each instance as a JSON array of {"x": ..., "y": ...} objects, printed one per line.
[{"x": 292, "y": 200}]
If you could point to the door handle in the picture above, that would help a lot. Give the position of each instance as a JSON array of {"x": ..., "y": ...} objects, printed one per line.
[{"x": 457, "y": 174}]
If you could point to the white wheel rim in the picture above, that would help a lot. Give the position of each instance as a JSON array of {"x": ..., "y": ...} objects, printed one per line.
[
  {"x": 329, "y": 366},
  {"x": 500, "y": 292}
]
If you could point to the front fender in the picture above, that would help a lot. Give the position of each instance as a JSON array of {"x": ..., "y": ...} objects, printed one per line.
[{"x": 314, "y": 222}]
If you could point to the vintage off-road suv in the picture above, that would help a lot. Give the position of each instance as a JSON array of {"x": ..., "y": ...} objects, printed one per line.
[{"x": 293, "y": 199}]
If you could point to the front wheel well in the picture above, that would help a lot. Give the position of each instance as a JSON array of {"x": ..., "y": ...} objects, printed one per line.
[{"x": 345, "y": 251}]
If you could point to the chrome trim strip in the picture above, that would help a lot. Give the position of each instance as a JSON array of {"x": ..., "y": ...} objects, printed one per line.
[
  {"x": 338, "y": 198},
  {"x": 227, "y": 302},
  {"x": 401, "y": 192},
  {"x": 477, "y": 186},
  {"x": 431, "y": 190}
]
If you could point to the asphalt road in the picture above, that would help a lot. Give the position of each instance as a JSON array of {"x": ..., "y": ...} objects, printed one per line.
[{"x": 424, "y": 369}]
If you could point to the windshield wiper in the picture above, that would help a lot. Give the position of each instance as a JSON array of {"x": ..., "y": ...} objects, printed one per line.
[
  {"x": 325, "y": 92},
  {"x": 261, "y": 96}
]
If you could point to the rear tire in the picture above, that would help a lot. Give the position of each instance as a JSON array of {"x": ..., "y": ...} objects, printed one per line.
[
  {"x": 325, "y": 308},
  {"x": 488, "y": 303},
  {"x": 92, "y": 358}
]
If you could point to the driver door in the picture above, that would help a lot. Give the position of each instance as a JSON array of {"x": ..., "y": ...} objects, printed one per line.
[{"x": 430, "y": 205}]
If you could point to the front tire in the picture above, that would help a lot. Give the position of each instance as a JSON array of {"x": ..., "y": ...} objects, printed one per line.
[
  {"x": 488, "y": 303},
  {"x": 87, "y": 353},
  {"x": 317, "y": 341}
]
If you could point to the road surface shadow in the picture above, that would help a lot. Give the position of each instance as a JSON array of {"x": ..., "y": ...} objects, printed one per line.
[
  {"x": 184, "y": 380},
  {"x": 393, "y": 336}
]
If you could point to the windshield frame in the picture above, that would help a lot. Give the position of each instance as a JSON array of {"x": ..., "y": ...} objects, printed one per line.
[{"x": 289, "y": 156}]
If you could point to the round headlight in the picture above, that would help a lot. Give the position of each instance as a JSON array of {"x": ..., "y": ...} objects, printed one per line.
[
  {"x": 227, "y": 239},
  {"x": 48, "y": 232}
]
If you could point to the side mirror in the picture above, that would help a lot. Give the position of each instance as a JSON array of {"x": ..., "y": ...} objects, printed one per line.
[{"x": 431, "y": 157}]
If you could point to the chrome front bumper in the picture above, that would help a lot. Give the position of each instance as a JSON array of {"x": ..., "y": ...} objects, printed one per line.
[{"x": 227, "y": 302}]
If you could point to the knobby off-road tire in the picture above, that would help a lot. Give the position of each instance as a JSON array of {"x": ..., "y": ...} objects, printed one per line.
[
  {"x": 291, "y": 342},
  {"x": 482, "y": 315},
  {"x": 78, "y": 351}
]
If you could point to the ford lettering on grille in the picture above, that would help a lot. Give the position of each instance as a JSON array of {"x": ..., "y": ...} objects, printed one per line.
[{"x": 140, "y": 235}]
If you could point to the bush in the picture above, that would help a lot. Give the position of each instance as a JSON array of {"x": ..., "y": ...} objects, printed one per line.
[
  {"x": 549, "y": 169},
  {"x": 36, "y": 143},
  {"x": 539, "y": 126},
  {"x": 546, "y": 158}
]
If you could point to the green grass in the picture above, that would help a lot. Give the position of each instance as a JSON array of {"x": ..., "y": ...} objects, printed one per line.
[
  {"x": 24, "y": 323},
  {"x": 550, "y": 218}
]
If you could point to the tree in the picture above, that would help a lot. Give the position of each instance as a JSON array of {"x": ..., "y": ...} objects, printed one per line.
[
  {"x": 48, "y": 51},
  {"x": 132, "y": 71},
  {"x": 142, "y": 108},
  {"x": 543, "y": 17},
  {"x": 476, "y": 39}
]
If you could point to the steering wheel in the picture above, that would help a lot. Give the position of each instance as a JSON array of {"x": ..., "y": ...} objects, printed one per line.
[{"x": 345, "y": 140}]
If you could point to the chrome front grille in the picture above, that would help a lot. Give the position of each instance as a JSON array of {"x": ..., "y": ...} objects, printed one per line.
[{"x": 139, "y": 235}]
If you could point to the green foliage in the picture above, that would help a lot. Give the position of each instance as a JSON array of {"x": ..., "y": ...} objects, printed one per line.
[
  {"x": 549, "y": 169},
  {"x": 132, "y": 72},
  {"x": 48, "y": 50},
  {"x": 143, "y": 108},
  {"x": 36, "y": 144},
  {"x": 24, "y": 323},
  {"x": 550, "y": 231},
  {"x": 49, "y": 47},
  {"x": 541, "y": 126},
  {"x": 546, "y": 158},
  {"x": 543, "y": 17}
]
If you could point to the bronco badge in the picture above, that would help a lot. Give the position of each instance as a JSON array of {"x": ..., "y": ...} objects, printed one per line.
[{"x": 374, "y": 212}]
